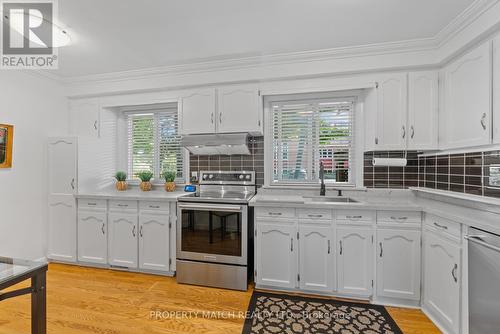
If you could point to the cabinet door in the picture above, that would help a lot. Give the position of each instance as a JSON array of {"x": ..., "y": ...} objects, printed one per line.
[
  {"x": 239, "y": 110},
  {"x": 198, "y": 112},
  {"x": 62, "y": 228},
  {"x": 276, "y": 246},
  {"x": 391, "y": 111},
  {"x": 316, "y": 257},
  {"x": 92, "y": 237},
  {"x": 442, "y": 280},
  {"x": 123, "y": 233},
  {"x": 354, "y": 261},
  {"x": 398, "y": 263},
  {"x": 85, "y": 118},
  {"x": 467, "y": 100},
  {"x": 496, "y": 90},
  {"x": 423, "y": 110},
  {"x": 62, "y": 165},
  {"x": 154, "y": 242}
]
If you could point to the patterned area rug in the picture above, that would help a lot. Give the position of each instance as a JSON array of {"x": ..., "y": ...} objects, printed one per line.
[{"x": 278, "y": 313}]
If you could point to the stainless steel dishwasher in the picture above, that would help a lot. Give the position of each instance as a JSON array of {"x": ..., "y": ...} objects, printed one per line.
[{"x": 484, "y": 282}]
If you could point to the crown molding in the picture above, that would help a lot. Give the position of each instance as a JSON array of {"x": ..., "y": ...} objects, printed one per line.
[{"x": 432, "y": 44}]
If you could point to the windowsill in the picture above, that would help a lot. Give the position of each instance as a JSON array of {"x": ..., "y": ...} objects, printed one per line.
[{"x": 314, "y": 187}]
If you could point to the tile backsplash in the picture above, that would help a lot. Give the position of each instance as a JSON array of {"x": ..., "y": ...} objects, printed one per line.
[
  {"x": 253, "y": 162},
  {"x": 391, "y": 177}
]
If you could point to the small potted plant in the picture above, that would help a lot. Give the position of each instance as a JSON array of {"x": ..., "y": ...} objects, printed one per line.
[
  {"x": 145, "y": 177},
  {"x": 169, "y": 177},
  {"x": 121, "y": 181}
]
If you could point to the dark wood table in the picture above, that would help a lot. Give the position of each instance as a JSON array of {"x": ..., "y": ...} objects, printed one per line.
[{"x": 13, "y": 271}]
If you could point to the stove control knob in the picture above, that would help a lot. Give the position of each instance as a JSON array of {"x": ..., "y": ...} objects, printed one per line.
[
  {"x": 248, "y": 177},
  {"x": 241, "y": 176},
  {"x": 205, "y": 176},
  {"x": 211, "y": 176}
]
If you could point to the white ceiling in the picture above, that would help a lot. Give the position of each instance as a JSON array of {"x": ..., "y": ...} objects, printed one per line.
[{"x": 120, "y": 35}]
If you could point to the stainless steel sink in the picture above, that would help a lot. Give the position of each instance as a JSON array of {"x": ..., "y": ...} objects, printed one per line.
[{"x": 330, "y": 199}]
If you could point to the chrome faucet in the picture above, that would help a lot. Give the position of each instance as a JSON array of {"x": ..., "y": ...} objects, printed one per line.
[{"x": 322, "y": 190}]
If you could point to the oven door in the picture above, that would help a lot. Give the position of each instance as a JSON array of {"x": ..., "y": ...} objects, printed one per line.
[{"x": 212, "y": 232}]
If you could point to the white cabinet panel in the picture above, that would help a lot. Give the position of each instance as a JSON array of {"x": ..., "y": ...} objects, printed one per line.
[
  {"x": 62, "y": 165},
  {"x": 239, "y": 109},
  {"x": 276, "y": 254},
  {"x": 466, "y": 118},
  {"x": 354, "y": 261},
  {"x": 398, "y": 263},
  {"x": 316, "y": 259},
  {"x": 154, "y": 242},
  {"x": 442, "y": 280},
  {"x": 423, "y": 110},
  {"x": 92, "y": 237},
  {"x": 392, "y": 112},
  {"x": 122, "y": 244},
  {"x": 85, "y": 118},
  {"x": 198, "y": 112},
  {"x": 62, "y": 228},
  {"x": 496, "y": 90}
]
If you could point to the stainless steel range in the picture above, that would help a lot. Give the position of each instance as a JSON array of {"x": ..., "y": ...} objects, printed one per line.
[{"x": 213, "y": 231}]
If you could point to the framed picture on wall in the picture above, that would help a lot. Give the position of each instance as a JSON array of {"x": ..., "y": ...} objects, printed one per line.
[{"x": 6, "y": 140}]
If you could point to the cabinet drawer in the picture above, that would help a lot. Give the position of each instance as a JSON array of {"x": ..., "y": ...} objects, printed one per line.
[
  {"x": 353, "y": 216},
  {"x": 276, "y": 212},
  {"x": 444, "y": 225},
  {"x": 154, "y": 206},
  {"x": 399, "y": 217},
  {"x": 86, "y": 203},
  {"x": 315, "y": 214},
  {"x": 123, "y": 205}
]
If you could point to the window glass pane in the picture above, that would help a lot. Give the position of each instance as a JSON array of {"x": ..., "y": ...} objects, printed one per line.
[
  {"x": 141, "y": 144},
  {"x": 170, "y": 149}
]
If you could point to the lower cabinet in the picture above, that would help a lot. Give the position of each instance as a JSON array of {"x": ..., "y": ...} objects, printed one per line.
[
  {"x": 354, "y": 260},
  {"x": 62, "y": 228},
  {"x": 442, "y": 267},
  {"x": 92, "y": 237},
  {"x": 276, "y": 254},
  {"x": 154, "y": 242},
  {"x": 123, "y": 232},
  {"x": 398, "y": 263},
  {"x": 316, "y": 257}
]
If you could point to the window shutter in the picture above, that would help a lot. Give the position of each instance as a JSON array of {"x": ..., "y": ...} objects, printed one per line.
[{"x": 306, "y": 133}]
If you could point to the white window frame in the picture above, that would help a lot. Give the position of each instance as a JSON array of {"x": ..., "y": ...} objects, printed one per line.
[{"x": 356, "y": 172}]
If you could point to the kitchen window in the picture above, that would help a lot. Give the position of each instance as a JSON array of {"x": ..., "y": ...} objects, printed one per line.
[
  {"x": 154, "y": 142},
  {"x": 306, "y": 133}
]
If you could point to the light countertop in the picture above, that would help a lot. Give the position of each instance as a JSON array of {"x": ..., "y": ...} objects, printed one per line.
[{"x": 133, "y": 193}]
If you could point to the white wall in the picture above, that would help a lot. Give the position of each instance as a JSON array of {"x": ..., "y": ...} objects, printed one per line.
[{"x": 36, "y": 107}]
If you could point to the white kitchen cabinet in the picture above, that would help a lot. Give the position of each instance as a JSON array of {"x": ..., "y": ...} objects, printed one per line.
[
  {"x": 467, "y": 115},
  {"x": 423, "y": 110},
  {"x": 62, "y": 228},
  {"x": 316, "y": 257},
  {"x": 398, "y": 263},
  {"x": 154, "y": 241},
  {"x": 392, "y": 94},
  {"x": 496, "y": 90},
  {"x": 122, "y": 242},
  {"x": 442, "y": 280},
  {"x": 92, "y": 237},
  {"x": 62, "y": 165},
  {"x": 239, "y": 109},
  {"x": 354, "y": 261},
  {"x": 198, "y": 112},
  {"x": 276, "y": 254},
  {"x": 85, "y": 118}
]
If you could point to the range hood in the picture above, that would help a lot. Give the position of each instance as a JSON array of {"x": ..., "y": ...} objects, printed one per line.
[{"x": 217, "y": 144}]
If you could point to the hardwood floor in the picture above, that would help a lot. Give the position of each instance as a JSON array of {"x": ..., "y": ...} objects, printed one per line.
[{"x": 86, "y": 300}]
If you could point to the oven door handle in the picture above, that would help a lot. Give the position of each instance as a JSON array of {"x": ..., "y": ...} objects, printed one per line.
[{"x": 205, "y": 207}]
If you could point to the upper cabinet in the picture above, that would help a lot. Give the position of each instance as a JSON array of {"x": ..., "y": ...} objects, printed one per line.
[
  {"x": 392, "y": 94},
  {"x": 85, "y": 118},
  {"x": 496, "y": 90},
  {"x": 466, "y": 117},
  {"x": 422, "y": 110},
  {"x": 223, "y": 110}
]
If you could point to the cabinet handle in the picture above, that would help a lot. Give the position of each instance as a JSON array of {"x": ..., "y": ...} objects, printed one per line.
[
  {"x": 376, "y": 141},
  {"x": 140, "y": 231},
  {"x": 133, "y": 231},
  {"x": 381, "y": 250},
  {"x": 220, "y": 118},
  {"x": 314, "y": 216},
  {"x": 454, "y": 273},
  {"x": 404, "y": 131},
  {"x": 291, "y": 244},
  {"x": 95, "y": 125},
  {"x": 91, "y": 204},
  {"x": 259, "y": 122},
  {"x": 399, "y": 218},
  {"x": 274, "y": 213},
  {"x": 154, "y": 206},
  {"x": 123, "y": 205},
  {"x": 340, "y": 247},
  {"x": 102, "y": 228},
  {"x": 328, "y": 246},
  {"x": 412, "y": 132},
  {"x": 483, "y": 121},
  {"x": 73, "y": 184},
  {"x": 354, "y": 217},
  {"x": 441, "y": 226},
  {"x": 212, "y": 118}
]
